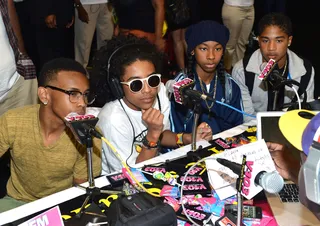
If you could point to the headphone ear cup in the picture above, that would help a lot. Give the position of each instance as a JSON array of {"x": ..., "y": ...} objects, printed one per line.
[{"x": 116, "y": 88}]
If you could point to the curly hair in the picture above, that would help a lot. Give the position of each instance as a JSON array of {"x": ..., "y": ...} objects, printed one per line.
[
  {"x": 275, "y": 19},
  {"x": 113, "y": 59}
]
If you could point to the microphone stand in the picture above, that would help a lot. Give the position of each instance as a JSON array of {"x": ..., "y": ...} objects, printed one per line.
[
  {"x": 239, "y": 204},
  {"x": 91, "y": 190},
  {"x": 197, "y": 112},
  {"x": 275, "y": 100}
]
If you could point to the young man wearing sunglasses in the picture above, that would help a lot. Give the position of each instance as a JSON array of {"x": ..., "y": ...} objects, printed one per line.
[
  {"x": 137, "y": 122},
  {"x": 45, "y": 156}
]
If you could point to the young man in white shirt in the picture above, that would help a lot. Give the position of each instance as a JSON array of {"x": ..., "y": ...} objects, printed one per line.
[{"x": 136, "y": 123}]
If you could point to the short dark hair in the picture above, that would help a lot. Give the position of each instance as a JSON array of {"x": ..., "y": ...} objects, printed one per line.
[
  {"x": 51, "y": 69},
  {"x": 275, "y": 19}
]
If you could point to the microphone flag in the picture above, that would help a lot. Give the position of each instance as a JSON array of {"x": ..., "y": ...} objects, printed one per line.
[{"x": 81, "y": 125}]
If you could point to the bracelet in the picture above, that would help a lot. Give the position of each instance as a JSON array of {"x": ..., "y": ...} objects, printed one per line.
[
  {"x": 150, "y": 144},
  {"x": 179, "y": 139}
]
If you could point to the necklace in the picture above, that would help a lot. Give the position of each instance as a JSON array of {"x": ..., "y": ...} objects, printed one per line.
[
  {"x": 285, "y": 68},
  {"x": 203, "y": 89}
]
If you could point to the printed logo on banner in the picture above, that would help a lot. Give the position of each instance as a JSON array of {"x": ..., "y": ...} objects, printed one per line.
[{"x": 51, "y": 217}]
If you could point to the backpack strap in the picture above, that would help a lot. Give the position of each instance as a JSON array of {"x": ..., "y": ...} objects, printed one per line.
[
  {"x": 249, "y": 76},
  {"x": 304, "y": 80},
  {"x": 228, "y": 88}
]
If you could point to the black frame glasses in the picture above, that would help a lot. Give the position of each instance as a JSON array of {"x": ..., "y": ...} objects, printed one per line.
[
  {"x": 137, "y": 87},
  {"x": 74, "y": 95}
]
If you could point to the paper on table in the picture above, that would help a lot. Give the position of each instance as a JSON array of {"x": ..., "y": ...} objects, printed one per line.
[{"x": 220, "y": 176}]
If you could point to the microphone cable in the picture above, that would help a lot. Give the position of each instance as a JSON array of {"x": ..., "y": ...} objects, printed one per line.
[
  {"x": 236, "y": 109},
  {"x": 127, "y": 168}
]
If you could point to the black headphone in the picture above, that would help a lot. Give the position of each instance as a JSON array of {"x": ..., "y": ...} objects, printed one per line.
[{"x": 113, "y": 81}]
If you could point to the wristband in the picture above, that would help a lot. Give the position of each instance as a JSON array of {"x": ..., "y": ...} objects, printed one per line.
[
  {"x": 179, "y": 139},
  {"x": 150, "y": 145}
]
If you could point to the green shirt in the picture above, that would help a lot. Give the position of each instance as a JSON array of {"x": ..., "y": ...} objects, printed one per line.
[{"x": 36, "y": 170}]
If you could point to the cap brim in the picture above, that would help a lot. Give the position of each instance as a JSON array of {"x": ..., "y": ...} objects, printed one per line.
[{"x": 293, "y": 123}]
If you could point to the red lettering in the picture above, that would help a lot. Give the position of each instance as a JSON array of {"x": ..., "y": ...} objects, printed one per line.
[
  {"x": 249, "y": 164},
  {"x": 247, "y": 178}
]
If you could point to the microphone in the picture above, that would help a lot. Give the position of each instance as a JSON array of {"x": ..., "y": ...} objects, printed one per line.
[
  {"x": 81, "y": 126},
  {"x": 267, "y": 68},
  {"x": 235, "y": 167},
  {"x": 183, "y": 90},
  {"x": 178, "y": 89},
  {"x": 271, "y": 182}
]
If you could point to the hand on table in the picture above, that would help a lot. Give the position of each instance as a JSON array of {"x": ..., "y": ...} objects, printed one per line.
[{"x": 204, "y": 132}]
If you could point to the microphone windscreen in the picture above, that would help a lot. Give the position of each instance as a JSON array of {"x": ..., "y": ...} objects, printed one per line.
[
  {"x": 263, "y": 65},
  {"x": 271, "y": 182},
  {"x": 179, "y": 87},
  {"x": 80, "y": 125},
  {"x": 266, "y": 69}
]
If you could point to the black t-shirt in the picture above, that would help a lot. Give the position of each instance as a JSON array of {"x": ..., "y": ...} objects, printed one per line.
[{"x": 135, "y": 14}]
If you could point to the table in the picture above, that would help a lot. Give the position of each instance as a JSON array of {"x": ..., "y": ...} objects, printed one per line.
[{"x": 72, "y": 193}]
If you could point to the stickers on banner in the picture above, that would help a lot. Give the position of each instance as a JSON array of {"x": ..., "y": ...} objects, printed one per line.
[
  {"x": 171, "y": 191},
  {"x": 174, "y": 203},
  {"x": 52, "y": 217},
  {"x": 197, "y": 215}
]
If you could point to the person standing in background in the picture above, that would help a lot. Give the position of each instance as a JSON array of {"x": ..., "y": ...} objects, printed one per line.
[
  {"x": 53, "y": 21},
  {"x": 91, "y": 15},
  {"x": 142, "y": 18},
  {"x": 18, "y": 83},
  {"x": 178, "y": 32},
  {"x": 238, "y": 16},
  {"x": 278, "y": 6}
]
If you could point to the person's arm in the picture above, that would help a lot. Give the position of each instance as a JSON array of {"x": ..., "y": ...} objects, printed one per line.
[
  {"x": 14, "y": 20},
  {"x": 4, "y": 135},
  {"x": 287, "y": 166},
  {"x": 169, "y": 138},
  {"x": 154, "y": 120},
  {"x": 239, "y": 76},
  {"x": 82, "y": 13},
  {"x": 158, "y": 22}
]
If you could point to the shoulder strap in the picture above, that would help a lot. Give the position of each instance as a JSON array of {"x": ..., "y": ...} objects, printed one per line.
[
  {"x": 228, "y": 88},
  {"x": 305, "y": 78},
  {"x": 249, "y": 76}
]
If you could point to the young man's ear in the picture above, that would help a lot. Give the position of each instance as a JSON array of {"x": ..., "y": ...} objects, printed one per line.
[{"x": 43, "y": 95}]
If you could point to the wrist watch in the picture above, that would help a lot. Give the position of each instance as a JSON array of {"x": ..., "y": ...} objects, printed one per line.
[
  {"x": 150, "y": 145},
  {"x": 77, "y": 5}
]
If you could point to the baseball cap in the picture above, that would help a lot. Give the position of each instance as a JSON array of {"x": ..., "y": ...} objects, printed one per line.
[{"x": 301, "y": 128}]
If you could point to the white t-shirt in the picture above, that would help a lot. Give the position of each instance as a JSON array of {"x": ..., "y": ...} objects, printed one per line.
[
  {"x": 91, "y": 2},
  {"x": 239, "y": 2},
  {"x": 8, "y": 69},
  {"x": 116, "y": 128}
]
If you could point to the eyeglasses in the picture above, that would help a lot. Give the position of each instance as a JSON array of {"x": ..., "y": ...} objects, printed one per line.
[
  {"x": 74, "y": 95},
  {"x": 137, "y": 84}
]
